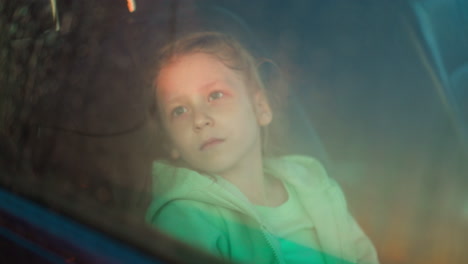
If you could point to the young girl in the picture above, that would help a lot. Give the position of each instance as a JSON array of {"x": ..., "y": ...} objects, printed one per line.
[{"x": 216, "y": 190}]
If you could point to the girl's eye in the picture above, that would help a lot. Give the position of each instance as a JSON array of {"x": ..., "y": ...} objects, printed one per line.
[
  {"x": 179, "y": 111},
  {"x": 215, "y": 96}
]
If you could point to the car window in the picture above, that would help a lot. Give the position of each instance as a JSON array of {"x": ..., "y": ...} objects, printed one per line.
[{"x": 377, "y": 93}]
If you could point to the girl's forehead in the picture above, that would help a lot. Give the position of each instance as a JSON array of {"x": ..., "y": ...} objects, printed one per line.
[{"x": 192, "y": 72}]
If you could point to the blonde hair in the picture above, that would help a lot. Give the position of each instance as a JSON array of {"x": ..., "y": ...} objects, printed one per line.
[{"x": 234, "y": 56}]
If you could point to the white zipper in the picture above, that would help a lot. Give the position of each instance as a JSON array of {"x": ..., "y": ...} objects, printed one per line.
[
  {"x": 251, "y": 213},
  {"x": 266, "y": 235}
]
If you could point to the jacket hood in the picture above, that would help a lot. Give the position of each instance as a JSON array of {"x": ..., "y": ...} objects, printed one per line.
[{"x": 172, "y": 183}]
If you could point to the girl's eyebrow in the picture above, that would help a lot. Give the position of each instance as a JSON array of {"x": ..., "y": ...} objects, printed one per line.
[
  {"x": 204, "y": 87},
  {"x": 209, "y": 85}
]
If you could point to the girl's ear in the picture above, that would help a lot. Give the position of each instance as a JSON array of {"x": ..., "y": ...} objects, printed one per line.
[
  {"x": 262, "y": 109},
  {"x": 175, "y": 154},
  {"x": 171, "y": 150}
]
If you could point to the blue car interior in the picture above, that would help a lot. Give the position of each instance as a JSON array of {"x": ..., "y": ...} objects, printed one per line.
[{"x": 31, "y": 232}]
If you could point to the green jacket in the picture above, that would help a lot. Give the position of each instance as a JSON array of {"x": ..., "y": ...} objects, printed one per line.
[{"x": 215, "y": 216}]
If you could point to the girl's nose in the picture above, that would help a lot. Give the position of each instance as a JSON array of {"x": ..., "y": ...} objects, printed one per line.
[{"x": 202, "y": 120}]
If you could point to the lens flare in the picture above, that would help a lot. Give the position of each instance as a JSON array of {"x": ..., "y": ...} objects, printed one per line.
[{"x": 131, "y": 5}]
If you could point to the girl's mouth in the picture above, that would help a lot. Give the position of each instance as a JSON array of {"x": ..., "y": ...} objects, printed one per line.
[{"x": 210, "y": 143}]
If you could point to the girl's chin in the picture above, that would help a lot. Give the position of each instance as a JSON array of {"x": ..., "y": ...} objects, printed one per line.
[{"x": 217, "y": 166}]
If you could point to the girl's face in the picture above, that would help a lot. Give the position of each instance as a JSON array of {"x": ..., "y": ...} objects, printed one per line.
[{"x": 212, "y": 118}]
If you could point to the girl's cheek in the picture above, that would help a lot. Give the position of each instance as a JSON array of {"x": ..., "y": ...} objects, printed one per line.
[
  {"x": 227, "y": 106},
  {"x": 180, "y": 121},
  {"x": 224, "y": 102},
  {"x": 178, "y": 131}
]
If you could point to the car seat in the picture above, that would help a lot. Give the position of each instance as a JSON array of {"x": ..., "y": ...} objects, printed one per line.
[{"x": 443, "y": 25}]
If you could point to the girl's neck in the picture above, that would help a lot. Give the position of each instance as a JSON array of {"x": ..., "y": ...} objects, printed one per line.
[{"x": 259, "y": 188}]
